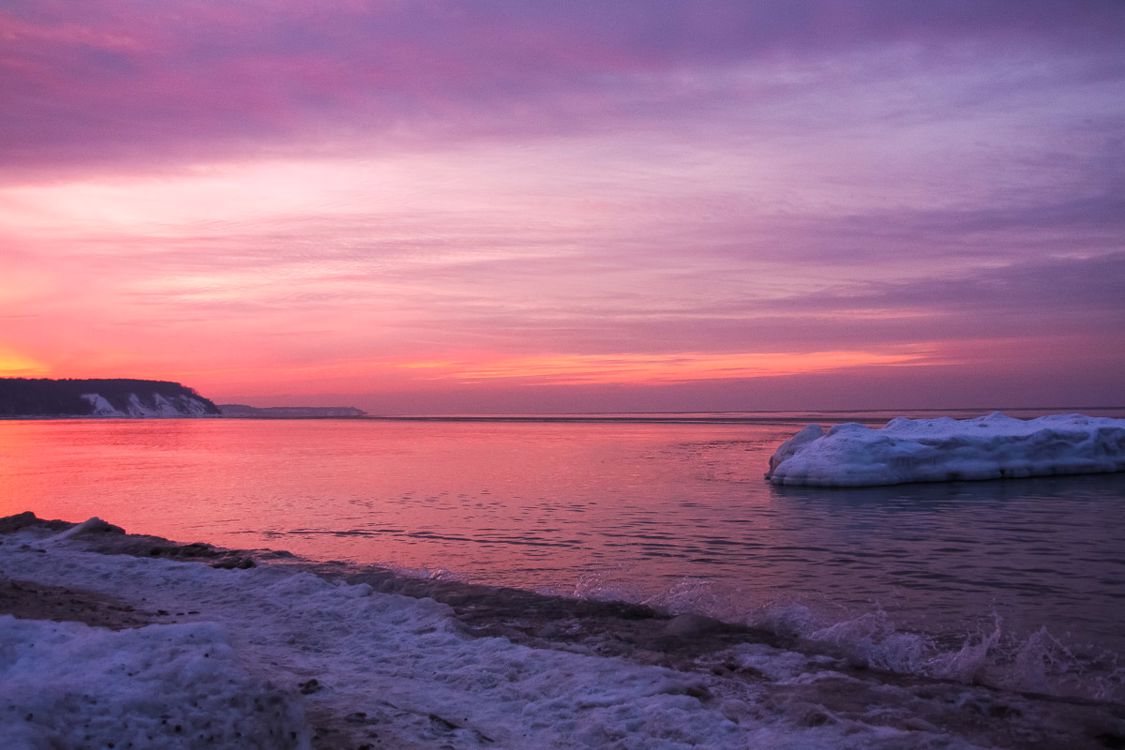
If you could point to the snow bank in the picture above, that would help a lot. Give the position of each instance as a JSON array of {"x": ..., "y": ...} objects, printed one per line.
[
  {"x": 383, "y": 670},
  {"x": 945, "y": 449},
  {"x": 389, "y": 671},
  {"x": 64, "y": 684}
]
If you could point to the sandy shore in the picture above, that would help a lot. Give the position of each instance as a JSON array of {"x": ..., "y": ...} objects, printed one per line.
[{"x": 137, "y": 641}]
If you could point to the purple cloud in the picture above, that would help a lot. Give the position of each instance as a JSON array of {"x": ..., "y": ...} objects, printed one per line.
[
  {"x": 444, "y": 180},
  {"x": 115, "y": 80}
]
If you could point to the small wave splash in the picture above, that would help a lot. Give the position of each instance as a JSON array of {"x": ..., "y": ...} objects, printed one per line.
[
  {"x": 1038, "y": 662},
  {"x": 992, "y": 655}
]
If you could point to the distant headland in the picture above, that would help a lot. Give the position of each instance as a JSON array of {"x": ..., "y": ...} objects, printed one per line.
[
  {"x": 290, "y": 412},
  {"x": 113, "y": 397},
  {"x": 35, "y": 398}
]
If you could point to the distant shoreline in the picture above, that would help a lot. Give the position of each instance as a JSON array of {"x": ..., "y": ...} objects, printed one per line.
[{"x": 778, "y": 417}]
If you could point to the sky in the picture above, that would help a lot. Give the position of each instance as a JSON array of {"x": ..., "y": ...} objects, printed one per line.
[{"x": 511, "y": 206}]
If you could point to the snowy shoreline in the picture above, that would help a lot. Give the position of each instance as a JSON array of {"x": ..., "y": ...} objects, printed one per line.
[{"x": 108, "y": 637}]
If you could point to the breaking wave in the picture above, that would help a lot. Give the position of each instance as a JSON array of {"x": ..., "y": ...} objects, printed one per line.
[{"x": 989, "y": 654}]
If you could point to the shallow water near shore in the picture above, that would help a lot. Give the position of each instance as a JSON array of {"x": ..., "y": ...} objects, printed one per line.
[
  {"x": 1021, "y": 580},
  {"x": 340, "y": 658}
]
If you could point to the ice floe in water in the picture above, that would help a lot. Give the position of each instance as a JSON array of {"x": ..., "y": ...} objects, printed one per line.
[{"x": 945, "y": 449}]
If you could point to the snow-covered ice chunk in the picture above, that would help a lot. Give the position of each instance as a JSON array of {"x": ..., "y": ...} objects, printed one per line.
[
  {"x": 64, "y": 684},
  {"x": 945, "y": 449},
  {"x": 90, "y": 525}
]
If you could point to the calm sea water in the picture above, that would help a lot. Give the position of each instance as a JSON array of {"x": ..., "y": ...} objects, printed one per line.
[{"x": 673, "y": 512}]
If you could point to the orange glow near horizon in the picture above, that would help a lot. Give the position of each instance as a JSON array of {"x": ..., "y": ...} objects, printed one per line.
[
  {"x": 15, "y": 365},
  {"x": 560, "y": 369},
  {"x": 382, "y": 204},
  {"x": 648, "y": 369}
]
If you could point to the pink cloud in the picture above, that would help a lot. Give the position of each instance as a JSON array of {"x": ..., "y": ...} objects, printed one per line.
[{"x": 687, "y": 199}]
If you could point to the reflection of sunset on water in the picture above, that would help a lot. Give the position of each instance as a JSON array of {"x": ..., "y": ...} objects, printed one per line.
[{"x": 639, "y": 510}]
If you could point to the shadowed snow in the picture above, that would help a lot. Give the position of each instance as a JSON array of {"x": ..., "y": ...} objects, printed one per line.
[{"x": 946, "y": 449}]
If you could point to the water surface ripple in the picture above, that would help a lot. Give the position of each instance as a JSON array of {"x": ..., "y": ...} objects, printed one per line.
[{"x": 673, "y": 512}]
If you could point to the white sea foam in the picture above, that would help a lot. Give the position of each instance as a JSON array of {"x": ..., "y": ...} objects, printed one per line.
[
  {"x": 946, "y": 449},
  {"x": 987, "y": 653},
  {"x": 1037, "y": 662}
]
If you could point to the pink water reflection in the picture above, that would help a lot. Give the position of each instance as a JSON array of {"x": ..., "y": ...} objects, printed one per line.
[
  {"x": 676, "y": 513},
  {"x": 509, "y": 503}
]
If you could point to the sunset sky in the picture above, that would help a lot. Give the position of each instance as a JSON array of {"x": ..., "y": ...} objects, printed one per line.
[{"x": 568, "y": 206}]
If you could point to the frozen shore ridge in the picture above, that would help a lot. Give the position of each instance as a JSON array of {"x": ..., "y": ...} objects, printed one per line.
[
  {"x": 116, "y": 640},
  {"x": 945, "y": 449}
]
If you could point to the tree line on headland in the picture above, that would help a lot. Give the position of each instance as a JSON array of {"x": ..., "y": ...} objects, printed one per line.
[{"x": 44, "y": 397}]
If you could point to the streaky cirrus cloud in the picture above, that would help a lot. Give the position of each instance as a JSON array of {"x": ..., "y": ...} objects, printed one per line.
[
  {"x": 440, "y": 203},
  {"x": 114, "y": 80}
]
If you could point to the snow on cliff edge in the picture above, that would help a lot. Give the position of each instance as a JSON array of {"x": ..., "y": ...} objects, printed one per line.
[
  {"x": 946, "y": 449},
  {"x": 161, "y": 406}
]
